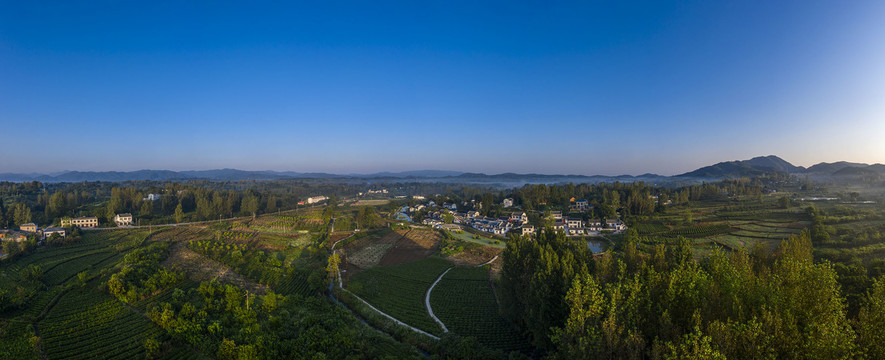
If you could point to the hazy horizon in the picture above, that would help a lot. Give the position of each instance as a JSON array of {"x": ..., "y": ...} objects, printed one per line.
[
  {"x": 587, "y": 89},
  {"x": 411, "y": 170}
]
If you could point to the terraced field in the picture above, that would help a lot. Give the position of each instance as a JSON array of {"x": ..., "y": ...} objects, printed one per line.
[{"x": 88, "y": 324}]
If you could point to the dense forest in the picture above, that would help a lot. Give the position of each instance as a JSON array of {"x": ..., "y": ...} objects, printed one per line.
[
  {"x": 47, "y": 203},
  {"x": 668, "y": 305}
]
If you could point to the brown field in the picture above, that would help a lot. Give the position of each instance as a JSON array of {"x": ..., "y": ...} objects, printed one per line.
[
  {"x": 414, "y": 245},
  {"x": 474, "y": 256},
  {"x": 367, "y": 252}
]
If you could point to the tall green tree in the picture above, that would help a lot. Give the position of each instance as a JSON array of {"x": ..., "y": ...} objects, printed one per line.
[
  {"x": 179, "y": 214},
  {"x": 21, "y": 214}
]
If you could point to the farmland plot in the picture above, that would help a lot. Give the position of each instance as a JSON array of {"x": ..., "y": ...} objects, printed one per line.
[
  {"x": 88, "y": 324},
  {"x": 399, "y": 290},
  {"x": 415, "y": 245},
  {"x": 464, "y": 301}
]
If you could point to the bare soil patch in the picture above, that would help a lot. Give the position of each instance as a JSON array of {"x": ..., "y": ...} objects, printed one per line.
[
  {"x": 368, "y": 252},
  {"x": 414, "y": 245},
  {"x": 200, "y": 268},
  {"x": 474, "y": 257}
]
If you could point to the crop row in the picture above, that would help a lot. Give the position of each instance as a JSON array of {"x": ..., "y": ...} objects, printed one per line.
[
  {"x": 87, "y": 324},
  {"x": 65, "y": 270},
  {"x": 294, "y": 284},
  {"x": 399, "y": 290},
  {"x": 650, "y": 228},
  {"x": 464, "y": 301},
  {"x": 699, "y": 231}
]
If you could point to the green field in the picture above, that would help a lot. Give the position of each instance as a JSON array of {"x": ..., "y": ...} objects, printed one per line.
[
  {"x": 464, "y": 301},
  {"x": 88, "y": 324},
  {"x": 399, "y": 290}
]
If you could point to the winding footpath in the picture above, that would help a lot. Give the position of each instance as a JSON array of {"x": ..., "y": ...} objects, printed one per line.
[
  {"x": 427, "y": 302},
  {"x": 427, "y": 297}
]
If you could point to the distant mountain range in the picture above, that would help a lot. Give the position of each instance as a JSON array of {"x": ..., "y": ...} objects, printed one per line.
[
  {"x": 729, "y": 169},
  {"x": 773, "y": 164}
]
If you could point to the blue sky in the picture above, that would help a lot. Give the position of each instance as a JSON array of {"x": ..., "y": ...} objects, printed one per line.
[{"x": 580, "y": 88}]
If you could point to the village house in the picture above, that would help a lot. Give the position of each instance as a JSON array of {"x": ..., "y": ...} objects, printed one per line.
[
  {"x": 518, "y": 217},
  {"x": 123, "y": 219},
  {"x": 508, "y": 202},
  {"x": 47, "y": 232},
  {"x": 528, "y": 229},
  {"x": 575, "y": 231},
  {"x": 83, "y": 222},
  {"x": 152, "y": 197},
  {"x": 580, "y": 206},
  {"x": 574, "y": 223},
  {"x": 559, "y": 225},
  {"x": 452, "y": 207},
  {"x": 13, "y": 235},
  {"x": 557, "y": 215},
  {"x": 472, "y": 214},
  {"x": 29, "y": 227},
  {"x": 615, "y": 224},
  {"x": 432, "y": 222}
]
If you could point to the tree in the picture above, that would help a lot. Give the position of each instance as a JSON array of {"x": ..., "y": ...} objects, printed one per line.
[
  {"x": 366, "y": 217},
  {"x": 151, "y": 348},
  {"x": 783, "y": 202},
  {"x": 21, "y": 214},
  {"x": 249, "y": 205},
  {"x": 871, "y": 322},
  {"x": 11, "y": 249},
  {"x": 332, "y": 267},
  {"x": 227, "y": 350},
  {"x": 179, "y": 214},
  {"x": 147, "y": 208}
]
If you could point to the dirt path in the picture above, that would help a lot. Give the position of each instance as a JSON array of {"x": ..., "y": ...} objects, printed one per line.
[
  {"x": 427, "y": 302},
  {"x": 200, "y": 268},
  {"x": 488, "y": 262}
]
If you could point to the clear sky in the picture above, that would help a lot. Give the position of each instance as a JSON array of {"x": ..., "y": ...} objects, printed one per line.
[{"x": 550, "y": 87}]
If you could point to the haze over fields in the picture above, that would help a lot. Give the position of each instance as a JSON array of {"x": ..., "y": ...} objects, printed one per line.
[{"x": 343, "y": 88}]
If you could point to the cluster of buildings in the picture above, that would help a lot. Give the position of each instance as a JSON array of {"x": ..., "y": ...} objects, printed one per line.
[
  {"x": 372, "y": 192},
  {"x": 124, "y": 219},
  {"x": 30, "y": 229},
  {"x": 577, "y": 226},
  {"x": 516, "y": 221}
]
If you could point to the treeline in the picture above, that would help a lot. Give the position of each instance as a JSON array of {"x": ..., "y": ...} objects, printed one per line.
[
  {"x": 48, "y": 203},
  {"x": 667, "y": 305}
]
